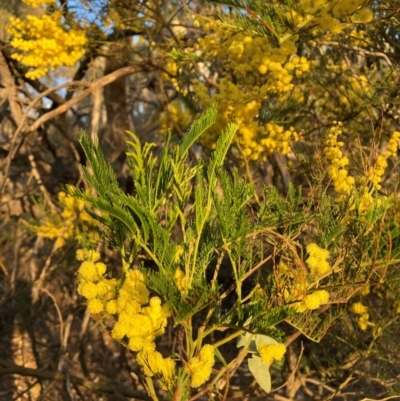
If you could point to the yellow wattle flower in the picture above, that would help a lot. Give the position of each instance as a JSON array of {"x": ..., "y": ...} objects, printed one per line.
[
  {"x": 363, "y": 322},
  {"x": 95, "y": 306},
  {"x": 45, "y": 43},
  {"x": 86, "y": 254},
  {"x": 88, "y": 272},
  {"x": 312, "y": 301},
  {"x": 358, "y": 308},
  {"x": 38, "y": 3},
  {"x": 153, "y": 363},
  {"x": 317, "y": 261},
  {"x": 180, "y": 280},
  {"x": 200, "y": 367},
  {"x": 270, "y": 353},
  {"x": 88, "y": 290}
]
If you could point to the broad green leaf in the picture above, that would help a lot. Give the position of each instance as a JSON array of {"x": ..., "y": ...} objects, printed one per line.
[
  {"x": 260, "y": 372},
  {"x": 244, "y": 339},
  {"x": 255, "y": 341},
  {"x": 262, "y": 339}
]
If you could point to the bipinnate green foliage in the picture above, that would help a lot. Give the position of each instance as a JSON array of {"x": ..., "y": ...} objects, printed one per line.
[
  {"x": 241, "y": 259},
  {"x": 271, "y": 19}
]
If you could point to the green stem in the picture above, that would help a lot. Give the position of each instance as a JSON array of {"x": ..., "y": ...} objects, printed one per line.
[
  {"x": 150, "y": 389},
  {"x": 227, "y": 339},
  {"x": 204, "y": 334}
]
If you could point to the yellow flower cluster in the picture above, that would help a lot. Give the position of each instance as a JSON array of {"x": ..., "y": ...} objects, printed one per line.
[
  {"x": 342, "y": 182},
  {"x": 364, "y": 291},
  {"x": 317, "y": 261},
  {"x": 270, "y": 353},
  {"x": 376, "y": 172},
  {"x": 372, "y": 181},
  {"x": 359, "y": 37},
  {"x": 140, "y": 324},
  {"x": 364, "y": 15},
  {"x": 199, "y": 367},
  {"x": 68, "y": 223},
  {"x": 38, "y": 3},
  {"x": 312, "y": 301},
  {"x": 45, "y": 43},
  {"x": 254, "y": 71},
  {"x": 175, "y": 115},
  {"x": 98, "y": 290},
  {"x": 327, "y": 14},
  {"x": 180, "y": 280},
  {"x": 358, "y": 308},
  {"x": 139, "y": 317},
  {"x": 362, "y": 311},
  {"x": 295, "y": 281},
  {"x": 296, "y": 288},
  {"x": 154, "y": 364}
]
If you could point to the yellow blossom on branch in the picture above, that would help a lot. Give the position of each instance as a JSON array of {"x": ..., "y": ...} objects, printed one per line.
[
  {"x": 363, "y": 321},
  {"x": 180, "y": 280},
  {"x": 87, "y": 254},
  {"x": 68, "y": 223},
  {"x": 312, "y": 301},
  {"x": 376, "y": 172},
  {"x": 342, "y": 182},
  {"x": 200, "y": 366},
  {"x": 153, "y": 364},
  {"x": 45, "y": 43},
  {"x": 358, "y": 308},
  {"x": 271, "y": 352},
  {"x": 255, "y": 71},
  {"x": 38, "y": 3},
  {"x": 317, "y": 261}
]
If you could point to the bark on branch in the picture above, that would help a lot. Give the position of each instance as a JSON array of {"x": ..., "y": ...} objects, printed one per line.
[
  {"x": 11, "y": 369},
  {"x": 95, "y": 86}
]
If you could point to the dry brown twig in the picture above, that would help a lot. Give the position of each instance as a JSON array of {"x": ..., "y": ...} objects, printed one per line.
[
  {"x": 38, "y": 178},
  {"x": 12, "y": 369},
  {"x": 28, "y": 131}
]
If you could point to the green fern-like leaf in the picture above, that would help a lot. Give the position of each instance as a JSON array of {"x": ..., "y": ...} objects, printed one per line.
[
  {"x": 196, "y": 130},
  {"x": 219, "y": 154}
]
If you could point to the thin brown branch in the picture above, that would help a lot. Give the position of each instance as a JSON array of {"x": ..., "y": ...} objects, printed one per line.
[
  {"x": 9, "y": 83},
  {"x": 11, "y": 369},
  {"x": 40, "y": 88},
  {"x": 362, "y": 51},
  {"x": 100, "y": 83},
  {"x": 95, "y": 86},
  {"x": 96, "y": 114}
]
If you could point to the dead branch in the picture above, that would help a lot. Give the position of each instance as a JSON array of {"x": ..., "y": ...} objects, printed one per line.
[{"x": 11, "y": 369}]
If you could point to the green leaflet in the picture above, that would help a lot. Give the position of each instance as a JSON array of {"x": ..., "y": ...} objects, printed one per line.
[{"x": 259, "y": 370}]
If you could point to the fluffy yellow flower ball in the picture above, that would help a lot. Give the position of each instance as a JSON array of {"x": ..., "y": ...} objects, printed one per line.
[
  {"x": 38, "y": 3},
  {"x": 153, "y": 363},
  {"x": 271, "y": 352},
  {"x": 86, "y": 254},
  {"x": 317, "y": 261},
  {"x": 313, "y": 301},
  {"x": 316, "y": 299},
  {"x": 200, "y": 367},
  {"x": 89, "y": 272},
  {"x": 180, "y": 280},
  {"x": 95, "y": 306},
  {"x": 358, "y": 308}
]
